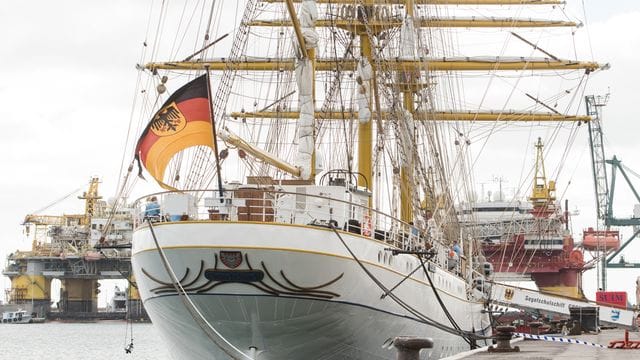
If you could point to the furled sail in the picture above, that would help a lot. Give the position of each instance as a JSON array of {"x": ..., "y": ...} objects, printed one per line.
[
  {"x": 363, "y": 96},
  {"x": 304, "y": 77},
  {"x": 183, "y": 121},
  {"x": 408, "y": 39}
]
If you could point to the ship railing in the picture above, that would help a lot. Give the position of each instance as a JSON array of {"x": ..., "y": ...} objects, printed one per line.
[{"x": 284, "y": 207}]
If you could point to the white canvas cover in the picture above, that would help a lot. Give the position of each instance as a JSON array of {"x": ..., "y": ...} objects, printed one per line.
[{"x": 363, "y": 95}]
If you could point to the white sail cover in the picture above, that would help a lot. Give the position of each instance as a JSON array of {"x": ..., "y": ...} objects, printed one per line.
[
  {"x": 308, "y": 16},
  {"x": 408, "y": 39},
  {"x": 304, "y": 77},
  {"x": 363, "y": 95},
  {"x": 406, "y": 132}
]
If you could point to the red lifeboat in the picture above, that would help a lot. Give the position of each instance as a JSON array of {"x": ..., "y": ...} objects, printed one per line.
[{"x": 600, "y": 240}]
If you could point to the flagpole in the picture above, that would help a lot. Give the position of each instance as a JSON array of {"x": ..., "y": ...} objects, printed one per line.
[{"x": 215, "y": 138}]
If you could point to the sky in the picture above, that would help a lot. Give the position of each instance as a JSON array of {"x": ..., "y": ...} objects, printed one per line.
[{"x": 67, "y": 80}]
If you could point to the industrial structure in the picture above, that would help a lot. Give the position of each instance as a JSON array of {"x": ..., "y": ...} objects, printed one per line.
[
  {"x": 79, "y": 250},
  {"x": 531, "y": 241},
  {"x": 605, "y": 185}
]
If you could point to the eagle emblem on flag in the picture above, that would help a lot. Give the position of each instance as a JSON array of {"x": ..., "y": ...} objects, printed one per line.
[
  {"x": 183, "y": 121},
  {"x": 168, "y": 121}
]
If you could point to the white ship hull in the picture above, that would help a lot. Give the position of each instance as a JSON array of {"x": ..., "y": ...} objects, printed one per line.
[{"x": 314, "y": 302}]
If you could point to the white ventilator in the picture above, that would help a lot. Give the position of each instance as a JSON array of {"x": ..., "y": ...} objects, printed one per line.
[{"x": 304, "y": 77}]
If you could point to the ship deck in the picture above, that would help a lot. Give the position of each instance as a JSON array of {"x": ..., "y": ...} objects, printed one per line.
[{"x": 546, "y": 350}]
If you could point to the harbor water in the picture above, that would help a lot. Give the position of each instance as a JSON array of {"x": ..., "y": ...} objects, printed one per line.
[{"x": 102, "y": 340}]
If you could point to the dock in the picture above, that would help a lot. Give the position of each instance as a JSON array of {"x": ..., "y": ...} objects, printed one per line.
[{"x": 548, "y": 350}]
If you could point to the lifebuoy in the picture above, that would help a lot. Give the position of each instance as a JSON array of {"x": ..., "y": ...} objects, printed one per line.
[{"x": 366, "y": 226}]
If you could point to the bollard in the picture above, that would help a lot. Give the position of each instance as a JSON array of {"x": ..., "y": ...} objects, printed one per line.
[
  {"x": 409, "y": 347},
  {"x": 503, "y": 340},
  {"x": 535, "y": 327},
  {"x": 576, "y": 328}
]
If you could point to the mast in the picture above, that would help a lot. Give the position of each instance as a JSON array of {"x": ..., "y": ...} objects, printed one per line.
[
  {"x": 401, "y": 78},
  {"x": 365, "y": 127},
  {"x": 407, "y": 50}
]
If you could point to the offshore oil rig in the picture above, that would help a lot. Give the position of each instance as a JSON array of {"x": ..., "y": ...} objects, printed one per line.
[
  {"x": 532, "y": 241},
  {"x": 78, "y": 250}
]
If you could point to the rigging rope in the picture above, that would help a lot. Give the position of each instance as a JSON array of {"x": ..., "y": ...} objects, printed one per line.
[
  {"x": 442, "y": 305},
  {"x": 420, "y": 317},
  {"x": 197, "y": 316},
  {"x": 58, "y": 201}
]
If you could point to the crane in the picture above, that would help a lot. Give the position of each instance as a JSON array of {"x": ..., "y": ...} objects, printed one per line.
[
  {"x": 605, "y": 189},
  {"x": 90, "y": 197},
  {"x": 45, "y": 226},
  {"x": 543, "y": 194}
]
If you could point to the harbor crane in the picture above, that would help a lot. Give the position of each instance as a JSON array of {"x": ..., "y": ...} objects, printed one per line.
[{"x": 605, "y": 189}]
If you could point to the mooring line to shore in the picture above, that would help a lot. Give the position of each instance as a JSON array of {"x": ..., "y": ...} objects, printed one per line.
[{"x": 559, "y": 339}]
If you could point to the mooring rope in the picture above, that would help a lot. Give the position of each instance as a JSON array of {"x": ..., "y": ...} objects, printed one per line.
[{"x": 559, "y": 339}]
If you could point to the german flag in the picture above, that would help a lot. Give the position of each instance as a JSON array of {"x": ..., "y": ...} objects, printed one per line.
[{"x": 183, "y": 121}]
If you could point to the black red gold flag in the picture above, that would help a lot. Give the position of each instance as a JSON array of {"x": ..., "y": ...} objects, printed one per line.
[{"x": 183, "y": 121}]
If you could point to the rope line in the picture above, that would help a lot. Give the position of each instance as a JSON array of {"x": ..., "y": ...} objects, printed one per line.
[
  {"x": 559, "y": 339},
  {"x": 420, "y": 317},
  {"x": 202, "y": 322}
]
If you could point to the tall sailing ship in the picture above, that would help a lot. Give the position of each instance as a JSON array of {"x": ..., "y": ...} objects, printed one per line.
[{"x": 311, "y": 177}]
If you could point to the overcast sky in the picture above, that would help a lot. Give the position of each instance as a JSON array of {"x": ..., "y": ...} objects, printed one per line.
[{"x": 67, "y": 80}]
